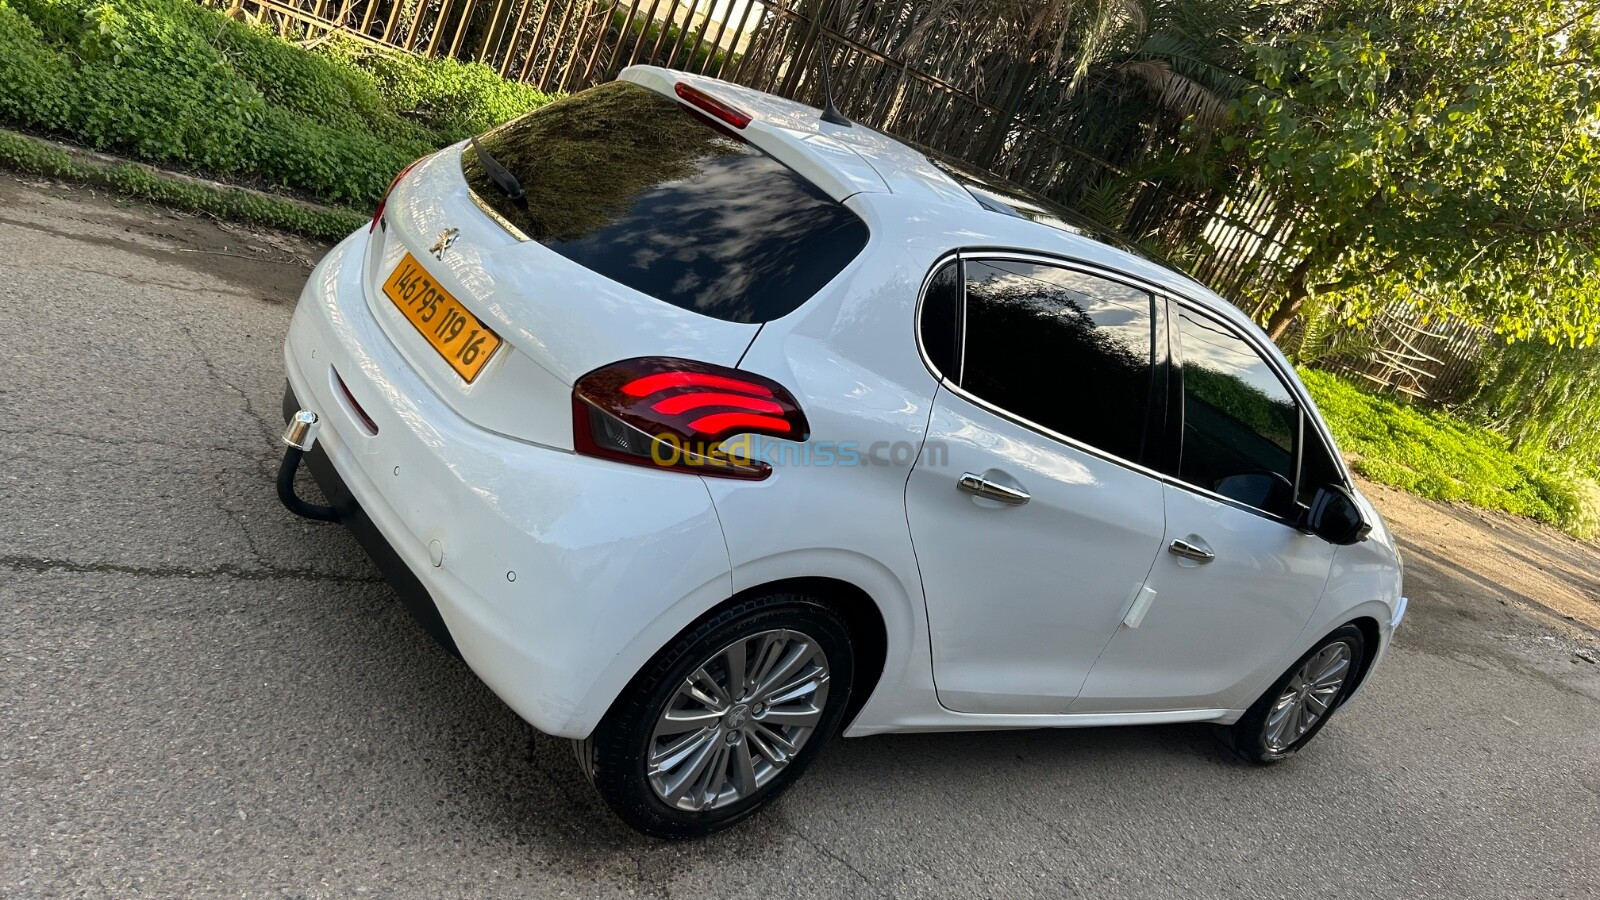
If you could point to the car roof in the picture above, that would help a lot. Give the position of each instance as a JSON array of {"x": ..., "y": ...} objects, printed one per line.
[{"x": 857, "y": 161}]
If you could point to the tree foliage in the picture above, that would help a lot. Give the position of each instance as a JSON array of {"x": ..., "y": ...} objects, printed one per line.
[
  {"x": 1442, "y": 153},
  {"x": 1544, "y": 399}
]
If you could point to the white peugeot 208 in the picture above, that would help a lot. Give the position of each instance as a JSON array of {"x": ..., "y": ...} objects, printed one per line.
[{"x": 703, "y": 428}]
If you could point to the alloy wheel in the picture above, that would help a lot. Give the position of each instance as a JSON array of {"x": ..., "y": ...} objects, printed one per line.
[
  {"x": 737, "y": 720},
  {"x": 1308, "y": 697}
]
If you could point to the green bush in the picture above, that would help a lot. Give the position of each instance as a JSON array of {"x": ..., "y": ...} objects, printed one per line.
[
  {"x": 170, "y": 82},
  {"x": 1437, "y": 455}
]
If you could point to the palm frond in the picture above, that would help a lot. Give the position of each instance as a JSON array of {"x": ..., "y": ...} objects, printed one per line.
[
  {"x": 1107, "y": 203},
  {"x": 1177, "y": 93},
  {"x": 1325, "y": 336},
  {"x": 1190, "y": 59}
]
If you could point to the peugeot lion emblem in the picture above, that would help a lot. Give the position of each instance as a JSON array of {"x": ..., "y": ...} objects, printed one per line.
[{"x": 447, "y": 239}]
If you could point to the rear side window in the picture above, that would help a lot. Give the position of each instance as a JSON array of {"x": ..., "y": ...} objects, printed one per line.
[
  {"x": 1240, "y": 423},
  {"x": 636, "y": 187},
  {"x": 941, "y": 320},
  {"x": 1061, "y": 348}
]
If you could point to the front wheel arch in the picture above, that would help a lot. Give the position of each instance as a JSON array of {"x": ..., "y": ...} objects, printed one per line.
[{"x": 1371, "y": 634}]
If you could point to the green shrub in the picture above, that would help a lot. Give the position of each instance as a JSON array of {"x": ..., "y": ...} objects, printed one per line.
[
  {"x": 170, "y": 82},
  {"x": 1437, "y": 455},
  {"x": 453, "y": 99},
  {"x": 37, "y": 85}
]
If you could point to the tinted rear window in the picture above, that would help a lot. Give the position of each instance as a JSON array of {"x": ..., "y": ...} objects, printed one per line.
[
  {"x": 638, "y": 188},
  {"x": 1061, "y": 348}
]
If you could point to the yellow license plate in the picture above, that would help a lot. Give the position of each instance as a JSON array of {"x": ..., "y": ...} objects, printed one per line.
[{"x": 464, "y": 342}]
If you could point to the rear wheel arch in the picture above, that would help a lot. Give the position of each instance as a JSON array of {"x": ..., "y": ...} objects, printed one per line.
[
  {"x": 868, "y": 631},
  {"x": 862, "y": 616}
]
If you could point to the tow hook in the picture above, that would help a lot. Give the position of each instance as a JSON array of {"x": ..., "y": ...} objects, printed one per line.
[{"x": 300, "y": 436}]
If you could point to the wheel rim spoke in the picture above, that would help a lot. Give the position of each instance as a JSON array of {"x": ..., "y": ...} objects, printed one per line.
[
  {"x": 738, "y": 677},
  {"x": 697, "y": 761},
  {"x": 793, "y": 657},
  {"x": 706, "y": 691},
  {"x": 807, "y": 682},
  {"x": 744, "y": 769},
  {"x": 738, "y": 719},
  {"x": 807, "y": 716},
  {"x": 677, "y": 721},
  {"x": 672, "y": 755}
]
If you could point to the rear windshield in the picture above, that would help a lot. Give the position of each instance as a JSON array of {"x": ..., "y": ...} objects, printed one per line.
[{"x": 646, "y": 192}]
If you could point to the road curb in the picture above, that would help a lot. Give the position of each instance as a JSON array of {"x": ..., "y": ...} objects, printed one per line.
[{"x": 27, "y": 154}]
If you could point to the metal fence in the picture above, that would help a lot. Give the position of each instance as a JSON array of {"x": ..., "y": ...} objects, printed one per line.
[
  {"x": 1233, "y": 240},
  {"x": 1421, "y": 360},
  {"x": 1012, "y": 127}
]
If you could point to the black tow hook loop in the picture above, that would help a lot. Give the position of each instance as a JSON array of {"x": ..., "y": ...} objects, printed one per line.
[{"x": 298, "y": 437}]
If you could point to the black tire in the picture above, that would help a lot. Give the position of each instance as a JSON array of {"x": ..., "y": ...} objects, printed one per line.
[
  {"x": 1250, "y": 735},
  {"x": 615, "y": 756}
]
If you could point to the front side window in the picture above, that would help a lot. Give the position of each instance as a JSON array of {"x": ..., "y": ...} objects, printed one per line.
[
  {"x": 1240, "y": 424},
  {"x": 1317, "y": 466},
  {"x": 1062, "y": 348}
]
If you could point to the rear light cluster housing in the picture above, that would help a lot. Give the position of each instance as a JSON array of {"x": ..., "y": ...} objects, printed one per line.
[
  {"x": 383, "y": 202},
  {"x": 680, "y": 414}
]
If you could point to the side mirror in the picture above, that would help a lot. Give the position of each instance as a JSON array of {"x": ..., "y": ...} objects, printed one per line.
[{"x": 1335, "y": 517}]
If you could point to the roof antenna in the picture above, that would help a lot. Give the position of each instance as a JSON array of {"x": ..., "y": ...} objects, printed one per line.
[{"x": 830, "y": 113}]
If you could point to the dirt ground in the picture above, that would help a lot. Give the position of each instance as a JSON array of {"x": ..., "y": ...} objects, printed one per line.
[{"x": 1519, "y": 560}]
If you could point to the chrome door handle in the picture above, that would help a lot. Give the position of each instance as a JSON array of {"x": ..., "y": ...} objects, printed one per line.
[
  {"x": 1197, "y": 552},
  {"x": 979, "y": 486}
]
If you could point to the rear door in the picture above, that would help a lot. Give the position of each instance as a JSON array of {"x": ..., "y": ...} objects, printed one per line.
[
  {"x": 1033, "y": 521},
  {"x": 1236, "y": 583}
]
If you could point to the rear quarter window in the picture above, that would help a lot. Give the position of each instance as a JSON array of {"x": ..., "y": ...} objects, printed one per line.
[{"x": 640, "y": 189}]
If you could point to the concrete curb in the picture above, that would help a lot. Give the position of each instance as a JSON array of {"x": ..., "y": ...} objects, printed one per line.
[{"x": 83, "y": 154}]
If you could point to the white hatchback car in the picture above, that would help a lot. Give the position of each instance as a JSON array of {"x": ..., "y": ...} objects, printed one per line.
[{"x": 703, "y": 429}]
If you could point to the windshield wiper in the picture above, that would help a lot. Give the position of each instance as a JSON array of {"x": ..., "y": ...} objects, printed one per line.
[{"x": 502, "y": 178}]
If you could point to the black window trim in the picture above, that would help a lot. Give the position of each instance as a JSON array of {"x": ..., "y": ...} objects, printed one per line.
[
  {"x": 1174, "y": 431},
  {"x": 1151, "y": 443}
]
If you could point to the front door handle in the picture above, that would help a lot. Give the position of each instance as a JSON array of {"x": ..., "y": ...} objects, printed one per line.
[
  {"x": 1194, "y": 549},
  {"x": 979, "y": 486}
]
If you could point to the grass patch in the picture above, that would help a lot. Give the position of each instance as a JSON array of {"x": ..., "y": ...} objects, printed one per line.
[
  {"x": 170, "y": 82},
  {"x": 1439, "y": 456},
  {"x": 19, "y": 153}
]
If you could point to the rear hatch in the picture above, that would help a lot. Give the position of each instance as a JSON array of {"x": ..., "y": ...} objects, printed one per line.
[{"x": 648, "y": 230}]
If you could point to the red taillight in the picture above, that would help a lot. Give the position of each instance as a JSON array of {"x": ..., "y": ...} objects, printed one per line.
[
  {"x": 706, "y": 103},
  {"x": 377, "y": 214},
  {"x": 679, "y": 414}
]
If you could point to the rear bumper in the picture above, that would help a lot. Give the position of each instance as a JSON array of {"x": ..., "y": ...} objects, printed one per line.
[
  {"x": 411, "y": 589},
  {"x": 556, "y": 577}
]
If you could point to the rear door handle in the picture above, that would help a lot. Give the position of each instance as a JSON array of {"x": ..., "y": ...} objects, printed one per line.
[
  {"x": 1191, "y": 548},
  {"x": 979, "y": 486}
]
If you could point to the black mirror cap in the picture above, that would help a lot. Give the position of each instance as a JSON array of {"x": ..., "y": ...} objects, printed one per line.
[{"x": 1335, "y": 516}]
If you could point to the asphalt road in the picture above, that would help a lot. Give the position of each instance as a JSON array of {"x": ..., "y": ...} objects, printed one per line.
[{"x": 202, "y": 695}]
